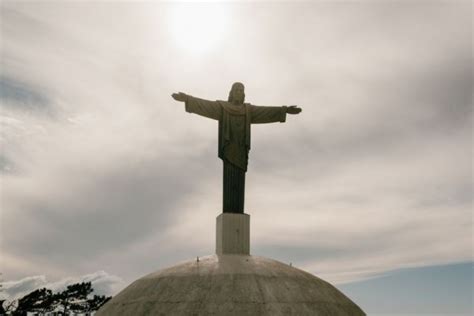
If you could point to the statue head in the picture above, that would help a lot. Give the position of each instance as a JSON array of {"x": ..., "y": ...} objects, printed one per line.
[{"x": 237, "y": 93}]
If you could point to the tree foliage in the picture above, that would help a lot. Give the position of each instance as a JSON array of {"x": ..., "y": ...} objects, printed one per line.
[{"x": 76, "y": 298}]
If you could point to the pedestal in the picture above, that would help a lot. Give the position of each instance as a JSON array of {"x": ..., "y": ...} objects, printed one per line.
[{"x": 233, "y": 234}]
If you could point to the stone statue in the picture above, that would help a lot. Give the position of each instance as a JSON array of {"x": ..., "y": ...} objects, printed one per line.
[{"x": 235, "y": 118}]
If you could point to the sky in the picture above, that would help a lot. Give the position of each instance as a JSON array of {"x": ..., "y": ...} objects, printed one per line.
[{"x": 105, "y": 177}]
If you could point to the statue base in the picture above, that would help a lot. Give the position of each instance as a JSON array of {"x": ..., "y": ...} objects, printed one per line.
[{"x": 233, "y": 234}]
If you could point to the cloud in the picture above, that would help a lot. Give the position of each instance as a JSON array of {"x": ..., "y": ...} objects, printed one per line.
[
  {"x": 100, "y": 163},
  {"x": 102, "y": 283},
  {"x": 17, "y": 93},
  {"x": 15, "y": 289}
]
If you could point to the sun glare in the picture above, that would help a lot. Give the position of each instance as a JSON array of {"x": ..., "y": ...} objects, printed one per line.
[{"x": 198, "y": 27}]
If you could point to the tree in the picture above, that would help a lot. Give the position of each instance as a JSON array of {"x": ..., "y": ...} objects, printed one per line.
[
  {"x": 36, "y": 301},
  {"x": 2, "y": 309},
  {"x": 76, "y": 298},
  {"x": 97, "y": 301}
]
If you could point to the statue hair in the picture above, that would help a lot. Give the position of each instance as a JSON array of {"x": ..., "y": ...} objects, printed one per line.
[{"x": 231, "y": 97}]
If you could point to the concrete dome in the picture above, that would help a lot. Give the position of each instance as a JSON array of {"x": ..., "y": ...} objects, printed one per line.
[{"x": 230, "y": 285}]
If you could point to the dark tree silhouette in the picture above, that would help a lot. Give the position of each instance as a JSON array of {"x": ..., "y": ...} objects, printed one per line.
[
  {"x": 37, "y": 301},
  {"x": 97, "y": 301},
  {"x": 75, "y": 299},
  {"x": 2, "y": 309}
]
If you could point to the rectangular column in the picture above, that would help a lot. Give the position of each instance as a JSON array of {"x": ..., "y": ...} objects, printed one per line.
[{"x": 233, "y": 234}]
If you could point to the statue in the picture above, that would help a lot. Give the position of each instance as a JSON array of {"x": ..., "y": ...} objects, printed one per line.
[{"x": 235, "y": 118}]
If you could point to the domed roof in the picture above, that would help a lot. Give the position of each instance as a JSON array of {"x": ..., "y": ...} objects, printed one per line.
[{"x": 230, "y": 285}]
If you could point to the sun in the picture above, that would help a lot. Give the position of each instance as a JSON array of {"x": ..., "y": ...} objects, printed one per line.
[{"x": 198, "y": 27}]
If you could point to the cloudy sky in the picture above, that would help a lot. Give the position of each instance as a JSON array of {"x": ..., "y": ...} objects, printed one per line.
[{"x": 104, "y": 177}]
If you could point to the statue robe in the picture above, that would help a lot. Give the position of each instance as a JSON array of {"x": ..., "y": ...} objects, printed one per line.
[
  {"x": 234, "y": 140},
  {"x": 234, "y": 125}
]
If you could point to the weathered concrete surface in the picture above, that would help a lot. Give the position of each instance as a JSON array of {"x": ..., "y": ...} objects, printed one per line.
[
  {"x": 230, "y": 285},
  {"x": 233, "y": 234}
]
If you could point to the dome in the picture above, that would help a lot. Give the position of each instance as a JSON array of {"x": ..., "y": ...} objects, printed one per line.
[{"x": 230, "y": 285}]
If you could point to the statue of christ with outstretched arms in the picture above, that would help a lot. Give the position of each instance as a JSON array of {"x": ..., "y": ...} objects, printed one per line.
[{"x": 235, "y": 119}]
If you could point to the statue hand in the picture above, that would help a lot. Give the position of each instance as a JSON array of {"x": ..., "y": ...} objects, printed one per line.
[
  {"x": 293, "y": 109},
  {"x": 182, "y": 97}
]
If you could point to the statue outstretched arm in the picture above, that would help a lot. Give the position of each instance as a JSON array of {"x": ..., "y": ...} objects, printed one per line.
[
  {"x": 210, "y": 109},
  {"x": 271, "y": 114},
  {"x": 180, "y": 96},
  {"x": 293, "y": 109}
]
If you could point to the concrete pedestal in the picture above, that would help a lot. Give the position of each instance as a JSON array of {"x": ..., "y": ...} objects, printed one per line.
[{"x": 233, "y": 234}]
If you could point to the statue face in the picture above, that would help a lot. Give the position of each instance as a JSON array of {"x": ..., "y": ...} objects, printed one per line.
[{"x": 238, "y": 93}]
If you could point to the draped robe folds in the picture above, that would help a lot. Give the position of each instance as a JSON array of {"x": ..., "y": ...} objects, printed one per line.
[{"x": 234, "y": 140}]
